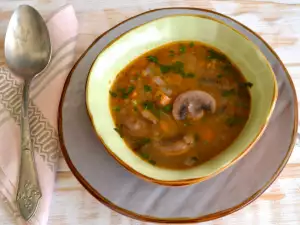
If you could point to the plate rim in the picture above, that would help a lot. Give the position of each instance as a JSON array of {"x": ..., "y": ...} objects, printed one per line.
[{"x": 145, "y": 218}]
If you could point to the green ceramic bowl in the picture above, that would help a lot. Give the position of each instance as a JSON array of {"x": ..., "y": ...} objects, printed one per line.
[{"x": 136, "y": 42}]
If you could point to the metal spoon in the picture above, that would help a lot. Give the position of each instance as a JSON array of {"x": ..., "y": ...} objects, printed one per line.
[{"x": 27, "y": 53}]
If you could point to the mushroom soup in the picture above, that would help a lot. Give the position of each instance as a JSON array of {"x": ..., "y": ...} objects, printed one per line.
[{"x": 179, "y": 105}]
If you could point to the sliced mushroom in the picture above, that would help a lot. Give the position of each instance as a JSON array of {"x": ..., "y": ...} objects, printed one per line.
[
  {"x": 174, "y": 147},
  {"x": 193, "y": 104},
  {"x": 137, "y": 127},
  {"x": 149, "y": 116}
]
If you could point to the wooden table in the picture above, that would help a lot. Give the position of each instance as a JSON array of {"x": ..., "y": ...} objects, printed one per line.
[{"x": 276, "y": 21}]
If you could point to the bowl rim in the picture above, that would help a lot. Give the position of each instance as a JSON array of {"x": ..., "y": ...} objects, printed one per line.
[
  {"x": 189, "y": 181},
  {"x": 208, "y": 217}
]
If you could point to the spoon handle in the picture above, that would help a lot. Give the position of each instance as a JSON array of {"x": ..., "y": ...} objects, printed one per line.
[{"x": 29, "y": 193}]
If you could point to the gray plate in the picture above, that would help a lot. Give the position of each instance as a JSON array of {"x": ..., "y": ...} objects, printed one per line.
[{"x": 223, "y": 194}]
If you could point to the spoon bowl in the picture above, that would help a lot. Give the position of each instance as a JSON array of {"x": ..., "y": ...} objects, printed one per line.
[{"x": 27, "y": 43}]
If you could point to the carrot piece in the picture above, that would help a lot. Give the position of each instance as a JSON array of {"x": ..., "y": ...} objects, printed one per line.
[
  {"x": 133, "y": 94},
  {"x": 164, "y": 125},
  {"x": 174, "y": 79},
  {"x": 208, "y": 135},
  {"x": 165, "y": 100}
]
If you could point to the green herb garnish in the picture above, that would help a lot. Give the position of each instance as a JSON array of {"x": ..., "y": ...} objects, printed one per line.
[
  {"x": 147, "y": 88},
  {"x": 227, "y": 93},
  {"x": 178, "y": 67},
  {"x": 118, "y": 129},
  {"x": 232, "y": 121},
  {"x": 246, "y": 84},
  {"x": 144, "y": 155},
  {"x": 113, "y": 94},
  {"x": 191, "y": 44},
  {"x": 126, "y": 92},
  {"x": 182, "y": 49},
  {"x": 117, "y": 108},
  {"x": 151, "y": 161},
  {"x": 152, "y": 58},
  {"x": 188, "y": 75},
  {"x": 141, "y": 142},
  {"x": 164, "y": 68},
  {"x": 171, "y": 53},
  {"x": 148, "y": 105},
  {"x": 212, "y": 54},
  {"x": 219, "y": 76},
  {"x": 167, "y": 108}
]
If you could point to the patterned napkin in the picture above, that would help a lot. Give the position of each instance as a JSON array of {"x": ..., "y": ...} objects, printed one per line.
[{"x": 45, "y": 94}]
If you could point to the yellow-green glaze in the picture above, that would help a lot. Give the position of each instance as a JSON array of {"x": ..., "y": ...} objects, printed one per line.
[{"x": 121, "y": 52}]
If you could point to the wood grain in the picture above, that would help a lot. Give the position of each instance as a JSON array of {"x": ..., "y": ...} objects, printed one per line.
[{"x": 276, "y": 21}]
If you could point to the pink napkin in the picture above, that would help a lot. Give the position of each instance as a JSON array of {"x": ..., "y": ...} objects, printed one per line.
[{"x": 45, "y": 95}]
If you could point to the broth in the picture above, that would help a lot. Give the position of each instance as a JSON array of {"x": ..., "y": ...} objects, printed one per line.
[{"x": 180, "y": 105}]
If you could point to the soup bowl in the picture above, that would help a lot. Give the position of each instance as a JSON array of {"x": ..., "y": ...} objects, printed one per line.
[{"x": 126, "y": 48}]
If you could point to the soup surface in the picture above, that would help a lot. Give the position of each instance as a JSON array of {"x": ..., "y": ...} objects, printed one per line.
[{"x": 179, "y": 105}]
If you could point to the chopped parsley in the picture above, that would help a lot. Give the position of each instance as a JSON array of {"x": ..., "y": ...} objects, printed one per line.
[
  {"x": 151, "y": 161},
  {"x": 219, "y": 76},
  {"x": 152, "y": 58},
  {"x": 191, "y": 44},
  {"x": 141, "y": 142},
  {"x": 226, "y": 93},
  {"x": 171, "y": 53},
  {"x": 118, "y": 129},
  {"x": 126, "y": 92},
  {"x": 165, "y": 68},
  {"x": 182, "y": 49},
  {"x": 147, "y": 88},
  {"x": 148, "y": 105},
  {"x": 178, "y": 67},
  {"x": 212, "y": 54},
  {"x": 232, "y": 121},
  {"x": 246, "y": 84},
  {"x": 144, "y": 155},
  {"x": 188, "y": 75},
  {"x": 113, "y": 94},
  {"x": 117, "y": 108},
  {"x": 167, "y": 108}
]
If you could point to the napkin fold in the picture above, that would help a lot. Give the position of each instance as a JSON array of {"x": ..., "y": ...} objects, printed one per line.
[{"x": 45, "y": 94}]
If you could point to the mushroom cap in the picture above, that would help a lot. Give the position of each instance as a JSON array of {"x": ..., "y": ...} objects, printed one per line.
[{"x": 193, "y": 104}]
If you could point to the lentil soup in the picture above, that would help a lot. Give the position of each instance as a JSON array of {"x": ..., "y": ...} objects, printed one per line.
[{"x": 180, "y": 105}]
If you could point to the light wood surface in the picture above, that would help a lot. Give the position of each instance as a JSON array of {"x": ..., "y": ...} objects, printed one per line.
[{"x": 276, "y": 21}]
